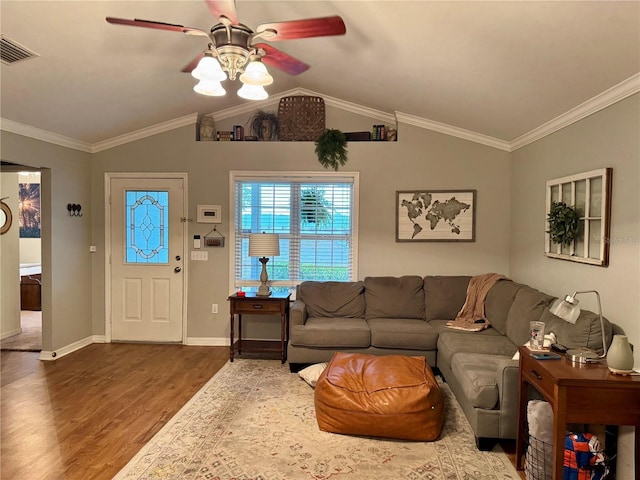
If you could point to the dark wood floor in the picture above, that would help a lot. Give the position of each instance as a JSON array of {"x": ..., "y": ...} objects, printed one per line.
[{"x": 85, "y": 415}]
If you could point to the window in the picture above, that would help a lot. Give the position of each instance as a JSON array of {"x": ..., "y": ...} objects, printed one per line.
[
  {"x": 315, "y": 216},
  {"x": 590, "y": 194},
  {"x": 147, "y": 218}
]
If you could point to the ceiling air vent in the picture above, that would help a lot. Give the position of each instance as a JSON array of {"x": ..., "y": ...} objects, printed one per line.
[{"x": 12, "y": 52}]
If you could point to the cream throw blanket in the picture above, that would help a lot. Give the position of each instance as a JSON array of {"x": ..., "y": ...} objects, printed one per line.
[{"x": 471, "y": 317}]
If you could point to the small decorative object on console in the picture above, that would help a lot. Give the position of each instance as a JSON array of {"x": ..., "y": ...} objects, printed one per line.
[{"x": 620, "y": 356}]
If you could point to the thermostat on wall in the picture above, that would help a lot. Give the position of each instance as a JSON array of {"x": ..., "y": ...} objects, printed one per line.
[{"x": 209, "y": 214}]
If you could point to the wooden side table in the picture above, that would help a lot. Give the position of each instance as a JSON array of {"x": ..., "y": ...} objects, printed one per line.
[
  {"x": 578, "y": 393},
  {"x": 275, "y": 304}
]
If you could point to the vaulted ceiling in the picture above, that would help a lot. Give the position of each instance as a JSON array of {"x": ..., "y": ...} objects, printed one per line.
[{"x": 498, "y": 69}]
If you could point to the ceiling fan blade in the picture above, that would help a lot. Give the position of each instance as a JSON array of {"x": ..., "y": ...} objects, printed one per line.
[
  {"x": 310, "y": 27},
  {"x": 223, "y": 8},
  {"x": 278, "y": 59},
  {"x": 190, "y": 67},
  {"x": 157, "y": 25}
]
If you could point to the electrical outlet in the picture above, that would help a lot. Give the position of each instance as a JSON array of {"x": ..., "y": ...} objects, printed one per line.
[{"x": 214, "y": 308}]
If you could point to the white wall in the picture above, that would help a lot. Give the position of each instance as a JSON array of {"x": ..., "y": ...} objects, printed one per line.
[
  {"x": 420, "y": 159},
  {"x": 608, "y": 138},
  {"x": 66, "y": 262},
  {"x": 9, "y": 264}
]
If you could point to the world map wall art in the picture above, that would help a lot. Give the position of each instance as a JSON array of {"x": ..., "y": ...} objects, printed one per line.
[{"x": 436, "y": 216}]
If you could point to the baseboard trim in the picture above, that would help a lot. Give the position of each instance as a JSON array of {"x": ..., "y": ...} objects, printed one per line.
[
  {"x": 48, "y": 355},
  {"x": 11, "y": 333},
  {"x": 208, "y": 341},
  {"x": 222, "y": 341}
]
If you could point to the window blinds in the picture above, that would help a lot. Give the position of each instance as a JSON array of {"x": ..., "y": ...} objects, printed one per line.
[{"x": 314, "y": 217}]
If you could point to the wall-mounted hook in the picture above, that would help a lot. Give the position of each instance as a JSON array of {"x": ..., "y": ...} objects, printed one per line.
[{"x": 74, "y": 209}]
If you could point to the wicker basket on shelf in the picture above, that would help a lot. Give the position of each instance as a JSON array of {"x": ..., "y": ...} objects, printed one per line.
[{"x": 301, "y": 118}]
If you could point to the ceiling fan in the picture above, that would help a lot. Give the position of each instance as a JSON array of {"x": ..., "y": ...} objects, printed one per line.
[{"x": 233, "y": 50}]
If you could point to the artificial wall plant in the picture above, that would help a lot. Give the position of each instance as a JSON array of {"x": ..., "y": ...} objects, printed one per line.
[
  {"x": 331, "y": 149},
  {"x": 563, "y": 223}
]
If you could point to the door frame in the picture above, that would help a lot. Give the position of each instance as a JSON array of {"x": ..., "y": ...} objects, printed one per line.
[{"x": 108, "y": 176}]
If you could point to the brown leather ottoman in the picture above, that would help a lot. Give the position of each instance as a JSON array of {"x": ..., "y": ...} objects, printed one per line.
[{"x": 390, "y": 396}]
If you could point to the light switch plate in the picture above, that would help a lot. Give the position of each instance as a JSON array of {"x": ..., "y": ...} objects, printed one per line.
[{"x": 202, "y": 256}]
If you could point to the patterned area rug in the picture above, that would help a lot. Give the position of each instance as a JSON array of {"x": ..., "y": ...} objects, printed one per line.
[{"x": 255, "y": 421}]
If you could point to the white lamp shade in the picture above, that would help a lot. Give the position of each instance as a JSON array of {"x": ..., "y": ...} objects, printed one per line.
[
  {"x": 208, "y": 68},
  {"x": 211, "y": 88},
  {"x": 256, "y": 74},
  {"x": 264, "y": 245},
  {"x": 253, "y": 92},
  {"x": 566, "y": 309}
]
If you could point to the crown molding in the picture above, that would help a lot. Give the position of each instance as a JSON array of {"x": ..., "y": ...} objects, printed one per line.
[
  {"x": 601, "y": 101},
  {"x": 352, "y": 107},
  {"x": 330, "y": 101},
  {"x": 190, "y": 119},
  {"x": 18, "y": 128},
  {"x": 453, "y": 131}
]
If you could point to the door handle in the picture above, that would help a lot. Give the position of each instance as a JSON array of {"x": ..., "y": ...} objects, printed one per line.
[{"x": 177, "y": 269}]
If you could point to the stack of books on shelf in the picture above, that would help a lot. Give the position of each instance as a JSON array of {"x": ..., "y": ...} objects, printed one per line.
[
  {"x": 379, "y": 132},
  {"x": 224, "y": 135},
  {"x": 238, "y": 133},
  {"x": 235, "y": 135}
]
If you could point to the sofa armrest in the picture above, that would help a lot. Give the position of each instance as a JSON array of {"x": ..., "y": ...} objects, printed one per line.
[
  {"x": 508, "y": 382},
  {"x": 297, "y": 313}
]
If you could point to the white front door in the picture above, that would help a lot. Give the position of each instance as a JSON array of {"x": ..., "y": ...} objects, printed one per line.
[{"x": 147, "y": 259}]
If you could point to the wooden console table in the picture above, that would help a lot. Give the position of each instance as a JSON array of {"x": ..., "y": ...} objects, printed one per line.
[
  {"x": 251, "y": 304},
  {"x": 578, "y": 393}
]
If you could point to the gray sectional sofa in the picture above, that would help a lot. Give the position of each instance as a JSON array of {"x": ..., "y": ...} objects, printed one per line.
[{"x": 408, "y": 316}]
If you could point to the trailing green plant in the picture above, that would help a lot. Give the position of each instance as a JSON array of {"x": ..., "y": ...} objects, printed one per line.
[
  {"x": 563, "y": 223},
  {"x": 314, "y": 207},
  {"x": 264, "y": 125},
  {"x": 331, "y": 149}
]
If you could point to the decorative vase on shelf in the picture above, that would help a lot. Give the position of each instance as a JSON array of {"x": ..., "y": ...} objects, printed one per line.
[{"x": 619, "y": 355}]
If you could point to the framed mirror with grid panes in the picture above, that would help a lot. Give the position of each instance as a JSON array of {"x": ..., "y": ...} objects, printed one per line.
[{"x": 589, "y": 194}]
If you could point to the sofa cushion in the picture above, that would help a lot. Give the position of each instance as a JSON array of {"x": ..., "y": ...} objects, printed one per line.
[
  {"x": 333, "y": 299},
  {"x": 498, "y": 303},
  {"x": 334, "y": 332},
  {"x": 586, "y": 332},
  {"x": 476, "y": 373},
  {"x": 486, "y": 342},
  {"x": 394, "y": 297},
  {"x": 528, "y": 306},
  {"x": 403, "y": 333},
  {"x": 444, "y": 296}
]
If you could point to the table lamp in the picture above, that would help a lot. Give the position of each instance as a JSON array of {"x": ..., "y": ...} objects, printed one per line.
[
  {"x": 264, "y": 245},
  {"x": 569, "y": 311}
]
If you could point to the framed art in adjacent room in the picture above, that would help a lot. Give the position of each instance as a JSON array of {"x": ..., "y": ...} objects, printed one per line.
[
  {"x": 435, "y": 216},
  {"x": 29, "y": 210}
]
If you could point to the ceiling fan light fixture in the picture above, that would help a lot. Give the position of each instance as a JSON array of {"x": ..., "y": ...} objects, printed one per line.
[
  {"x": 210, "y": 88},
  {"x": 256, "y": 74},
  {"x": 253, "y": 92},
  {"x": 209, "y": 69}
]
